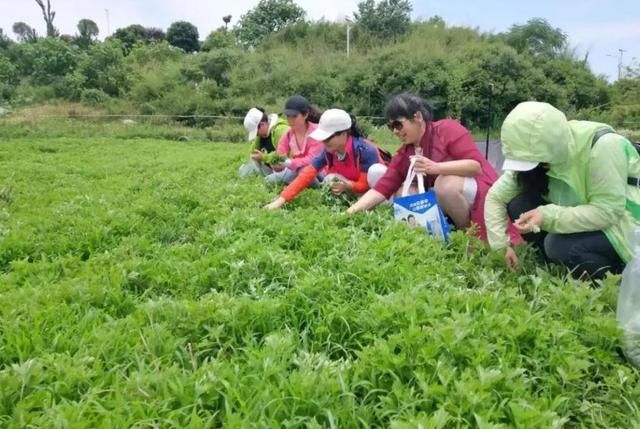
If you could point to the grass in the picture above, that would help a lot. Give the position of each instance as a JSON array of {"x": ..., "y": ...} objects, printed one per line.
[{"x": 142, "y": 285}]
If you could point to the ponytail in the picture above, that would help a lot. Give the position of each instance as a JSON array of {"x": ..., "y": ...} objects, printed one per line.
[
  {"x": 355, "y": 130},
  {"x": 313, "y": 114}
]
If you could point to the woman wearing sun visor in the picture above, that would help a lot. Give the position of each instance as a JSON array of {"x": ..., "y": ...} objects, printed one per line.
[{"x": 571, "y": 189}]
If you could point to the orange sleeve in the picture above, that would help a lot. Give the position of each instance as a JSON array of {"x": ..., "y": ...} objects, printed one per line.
[
  {"x": 361, "y": 185},
  {"x": 300, "y": 183}
]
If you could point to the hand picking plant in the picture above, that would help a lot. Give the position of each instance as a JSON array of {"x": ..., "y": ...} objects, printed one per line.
[{"x": 273, "y": 158}]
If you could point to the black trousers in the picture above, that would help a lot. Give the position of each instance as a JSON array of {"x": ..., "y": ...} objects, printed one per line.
[{"x": 586, "y": 254}]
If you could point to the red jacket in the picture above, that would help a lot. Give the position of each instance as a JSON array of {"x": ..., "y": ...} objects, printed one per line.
[
  {"x": 361, "y": 155},
  {"x": 450, "y": 141}
]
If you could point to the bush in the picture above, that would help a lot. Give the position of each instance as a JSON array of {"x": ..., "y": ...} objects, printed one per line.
[
  {"x": 46, "y": 60},
  {"x": 105, "y": 69},
  {"x": 153, "y": 81},
  {"x": 154, "y": 53},
  {"x": 8, "y": 78},
  {"x": 458, "y": 70},
  {"x": 219, "y": 39},
  {"x": 94, "y": 97}
]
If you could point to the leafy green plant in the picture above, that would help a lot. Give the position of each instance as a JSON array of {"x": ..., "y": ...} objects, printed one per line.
[
  {"x": 273, "y": 158},
  {"x": 143, "y": 284}
]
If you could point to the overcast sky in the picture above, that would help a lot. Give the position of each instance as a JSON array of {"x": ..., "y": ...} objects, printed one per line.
[{"x": 599, "y": 27}]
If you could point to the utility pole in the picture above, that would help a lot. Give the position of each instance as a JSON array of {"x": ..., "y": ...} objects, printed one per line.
[
  {"x": 349, "y": 22},
  {"x": 622, "y": 51},
  {"x": 106, "y": 11}
]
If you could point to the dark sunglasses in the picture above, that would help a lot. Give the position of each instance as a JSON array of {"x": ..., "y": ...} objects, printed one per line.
[{"x": 396, "y": 125}]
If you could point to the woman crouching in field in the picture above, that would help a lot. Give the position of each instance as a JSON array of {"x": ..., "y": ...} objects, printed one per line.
[
  {"x": 447, "y": 156},
  {"x": 264, "y": 132},
  {"x": 571, "y": 189},
  {"x": 347, "y": 158},
  {"x": 297, "y": 145}
]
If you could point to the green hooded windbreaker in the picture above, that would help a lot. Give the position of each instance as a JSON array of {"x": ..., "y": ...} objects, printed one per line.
[{"x": 588, "y": 189}]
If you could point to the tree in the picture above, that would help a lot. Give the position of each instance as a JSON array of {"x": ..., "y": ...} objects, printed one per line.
[
  {"x": 152, "y": 34},
  {"x": 48, "y": 15},
  {"x": 183, "y": 35},
  {"x": 47, "y": 60},
  {"x": 87, "y": 31},
  {"x": 538, "y": 37},
  {"x": 269, "y": 16},
  {"x": 24, "y": 32},
  {"x": 217, "y": 39},
  {"x": 8, "y": 77},
  {"x": 103, "y": 67},
  {"x": 216, "y": 65},
  {"x": 129, "y": 36},
  {"x": 386, "y": 20},
  {"x": 5, "y": 42},
  {"x": 437, "y": 21}
]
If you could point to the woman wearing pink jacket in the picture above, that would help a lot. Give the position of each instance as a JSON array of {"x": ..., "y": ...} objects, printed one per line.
[{"x": 296, "y": 144}]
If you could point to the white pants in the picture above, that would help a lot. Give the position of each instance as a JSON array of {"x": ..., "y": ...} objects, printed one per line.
[{"x": 469, "y": 187}]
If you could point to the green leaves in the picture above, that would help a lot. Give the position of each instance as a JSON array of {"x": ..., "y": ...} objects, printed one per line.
[
  {"x": 273, "y": 158},
  {"x": 143, "y": 284},
  {"x": 266, "y": 18}
]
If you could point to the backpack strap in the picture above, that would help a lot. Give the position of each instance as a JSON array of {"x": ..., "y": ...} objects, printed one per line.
[
  {"x": 632, "y": 181},
  {"x": 601, "y": 133},
  {"x": 358, "y": 147}
]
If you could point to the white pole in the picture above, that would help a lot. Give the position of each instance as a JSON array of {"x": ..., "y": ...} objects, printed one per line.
[
  {"x": 106, "y": 11},
  {"x": 622, "y": 51},
  {"x": 348, "y": 38}
]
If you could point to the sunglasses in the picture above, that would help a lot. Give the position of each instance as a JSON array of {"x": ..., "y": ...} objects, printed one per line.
[{"x": 396, "y": 125}]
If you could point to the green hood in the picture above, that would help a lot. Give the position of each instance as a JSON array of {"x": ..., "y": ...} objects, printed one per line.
[
  {"x": 582, "y": 195},
  {"x": 537, "y": 132}
]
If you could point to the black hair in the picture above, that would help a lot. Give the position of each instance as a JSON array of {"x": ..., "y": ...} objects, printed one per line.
[
  {"x": 534, "y": 182},
  {"x": 266, "y": 143},
  {"x": 313, "y": 114},
  {"x": 406, "y": 106},
  {"x": 355, "y": 131},
  {"x": 300, "y": 104}
]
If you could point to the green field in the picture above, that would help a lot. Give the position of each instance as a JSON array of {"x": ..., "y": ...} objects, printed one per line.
[{"x": 142, "y": 285}]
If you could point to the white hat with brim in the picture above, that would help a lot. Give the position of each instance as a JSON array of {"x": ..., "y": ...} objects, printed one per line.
[
  {"x": 517, "y": 165},
  {"x": 332, "y": 121},
  {"x": 252, "y": 121}
]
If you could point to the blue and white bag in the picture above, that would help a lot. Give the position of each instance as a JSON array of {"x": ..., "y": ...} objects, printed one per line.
[{"x": 421, "y": 209}]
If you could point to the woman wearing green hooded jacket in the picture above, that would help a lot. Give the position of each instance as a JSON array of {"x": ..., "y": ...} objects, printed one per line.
[{"x": 571, "y": 189}]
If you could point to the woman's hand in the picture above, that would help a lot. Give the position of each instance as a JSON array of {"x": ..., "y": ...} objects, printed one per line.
[
  {"x": 276, "y": 204},
  {"x": 256, "y": 155},
  {"x": 511, "y": 259},
  {"x": 529, "y": 222},
  {"x": 424, "y": 165},
  {"x": 340, "y": 186}
]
